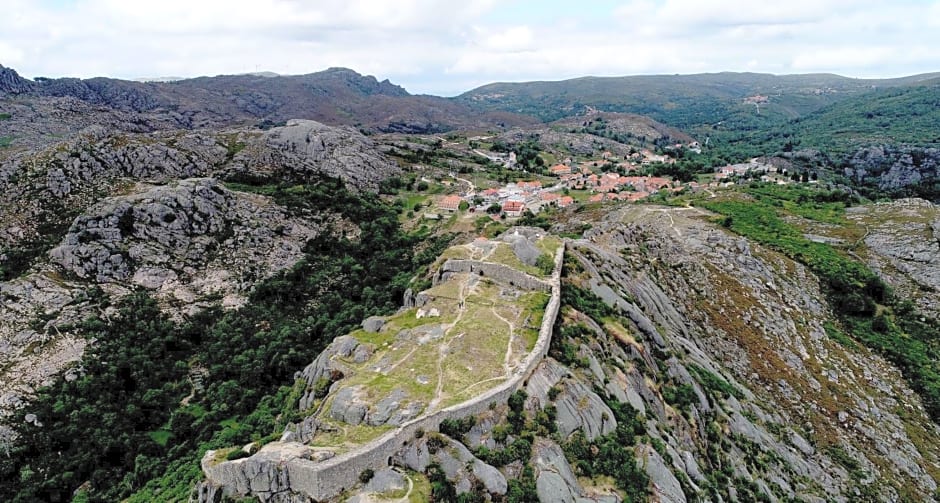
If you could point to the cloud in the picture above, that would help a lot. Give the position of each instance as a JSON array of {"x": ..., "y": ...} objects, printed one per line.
[{"x": 441, "y": 46}]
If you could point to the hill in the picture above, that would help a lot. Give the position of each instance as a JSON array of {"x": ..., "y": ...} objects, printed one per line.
[
  {"x": 337, "y": 96},
  {"x": 683, "y": 101}
]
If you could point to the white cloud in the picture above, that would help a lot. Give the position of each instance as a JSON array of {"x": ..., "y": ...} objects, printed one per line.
[
  {"x": 843, "y": 57},
  {"x": 514, "y": 39},
  {"x": 443, "y": 46}
]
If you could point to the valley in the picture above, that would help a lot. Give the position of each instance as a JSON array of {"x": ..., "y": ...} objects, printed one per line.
[{"x": 324, "y": 288}]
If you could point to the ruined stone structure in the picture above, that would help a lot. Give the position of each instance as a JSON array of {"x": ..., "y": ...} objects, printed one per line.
[
  {"x": 282, "y": 471},
  {"x": 494, "y": 271}
]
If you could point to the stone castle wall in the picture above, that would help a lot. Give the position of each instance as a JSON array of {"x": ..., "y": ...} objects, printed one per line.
[{"x": 322, "y": 480}]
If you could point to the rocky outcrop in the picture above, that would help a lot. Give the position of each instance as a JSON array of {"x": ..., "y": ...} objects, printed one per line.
[
  {"x": 556, "y": 482},
  {"x": 456, "y": 461},
  {"x": 522, "y": 240},
  {"x": 307, "y": 147},
  {"x": 261, "y": 474},
  {"x": 12, "y": 83},
  {"x": 169, "y": 239},
  {"x": 902, "y": 243},
  {"x": 578, "y": 407},
  {"x": 896, "y": 169}
]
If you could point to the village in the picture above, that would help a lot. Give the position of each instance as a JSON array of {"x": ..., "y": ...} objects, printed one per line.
[{"x": 593, "y": 181}]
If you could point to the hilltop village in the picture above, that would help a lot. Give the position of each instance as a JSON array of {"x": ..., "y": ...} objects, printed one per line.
[{"x": 608, "y": 178}]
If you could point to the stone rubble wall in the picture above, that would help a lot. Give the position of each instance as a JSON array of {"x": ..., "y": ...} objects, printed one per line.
[
  {"x": 491, "y": 270},
  {"x": 322, "y": 480}
]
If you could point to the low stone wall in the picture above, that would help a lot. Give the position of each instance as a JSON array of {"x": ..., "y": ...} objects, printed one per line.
[
  {"x": 322, "y": 480},
  {"x": 499, "y": 272}
]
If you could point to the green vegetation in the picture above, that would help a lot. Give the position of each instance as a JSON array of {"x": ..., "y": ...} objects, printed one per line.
[
  {"x": 907, "y": 115},
  {"x": 861, "y": 300},
  {"x": 612, "y": 454},
  {"x": 5, "y": 116},
  {"x": 455, "y": 428},
  {"x": 5, "y": 141},
  {"x": 714, "y": 384},
  {"x": 122, "y": 428}
]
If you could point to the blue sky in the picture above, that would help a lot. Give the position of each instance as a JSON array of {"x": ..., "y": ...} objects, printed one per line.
[{"x": 446, "y": 47}]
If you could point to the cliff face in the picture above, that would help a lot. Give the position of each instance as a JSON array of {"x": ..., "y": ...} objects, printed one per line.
[{"x": 770, "y": 398}]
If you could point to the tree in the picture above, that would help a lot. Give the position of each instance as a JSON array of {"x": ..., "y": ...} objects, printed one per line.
[{"x": 463, "y": 206}]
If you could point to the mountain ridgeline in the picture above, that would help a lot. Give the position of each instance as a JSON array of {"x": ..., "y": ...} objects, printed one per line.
[{"x": 334, "y": 96}]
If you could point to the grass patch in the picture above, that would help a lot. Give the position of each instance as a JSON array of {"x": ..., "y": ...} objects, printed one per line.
[
  {"x": 715, "y": 384},
  {"x": 421, "y": 489},
  {"x": 161, "y": 437},
  {"x": 838, "y": 335},
  {"x": 348, "y": 436},
  {"x": 503, "y": 254},
  {"x": 549, "y": 245}
]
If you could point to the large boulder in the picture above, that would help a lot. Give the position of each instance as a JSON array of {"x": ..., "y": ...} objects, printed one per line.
[{"x": 459, "y": 465}]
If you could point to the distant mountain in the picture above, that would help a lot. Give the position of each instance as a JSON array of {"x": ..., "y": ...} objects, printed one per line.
[
  {"x": 906, "y": 115},
  {"x": 336, "y": 96},
  {"x": 683, "y": 101}
]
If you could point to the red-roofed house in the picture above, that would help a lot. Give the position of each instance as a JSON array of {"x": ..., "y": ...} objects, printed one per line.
[
  {"x": 549, "y": 197},
  {"x": 560, "y": 169},
  {"x": 596, "y": 198},
  {"x": 513, "y": 208},
  {"x": 533, "y": 185},
  {"x": 565, "y": 201},
  {"x": 450, "y": 203}
]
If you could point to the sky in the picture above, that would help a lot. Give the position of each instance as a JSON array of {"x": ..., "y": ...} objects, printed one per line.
[{"x": 448, "y": 47}]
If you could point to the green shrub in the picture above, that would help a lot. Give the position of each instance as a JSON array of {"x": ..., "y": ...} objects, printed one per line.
[
  {"x": 237, "y": 454},
  {"x": 455, "y": 428}
]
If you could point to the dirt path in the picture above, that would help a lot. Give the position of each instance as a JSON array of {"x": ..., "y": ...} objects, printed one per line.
[
  {"x": 508, "y": 356},
  {"x": 672, "y": 221},
  {"x": 442, "y": 349},
  {"x": 473, "y": 187},
  {"x": 399, "y": 362}
]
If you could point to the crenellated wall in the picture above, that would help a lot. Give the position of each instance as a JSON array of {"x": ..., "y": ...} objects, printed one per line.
[{"x": 287, "y": 474}]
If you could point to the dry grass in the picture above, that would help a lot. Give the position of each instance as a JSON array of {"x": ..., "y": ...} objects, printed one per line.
[{"x": 467, "y": 360}]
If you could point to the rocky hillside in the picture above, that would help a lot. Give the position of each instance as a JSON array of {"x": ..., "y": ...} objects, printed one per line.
[
  {"x": 719, "y": 350},
  {"x": 337, "y": 96},
  {"x": 593, "y": 133},
  {"x": 128, "y": 211},
  {"x": 688, "y": 364}
]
